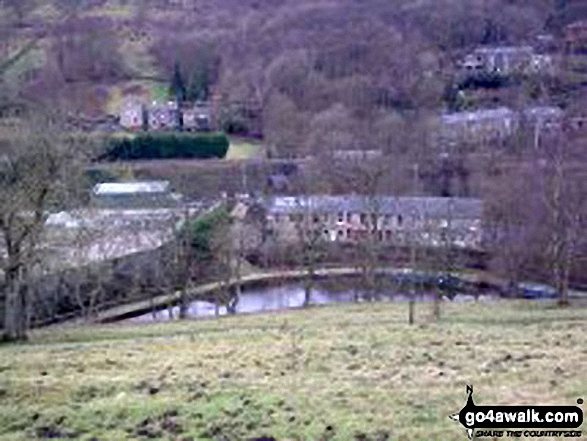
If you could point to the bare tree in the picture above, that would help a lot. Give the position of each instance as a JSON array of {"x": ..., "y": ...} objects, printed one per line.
[
  {"x": 35, "y": 168},
  {"x": 566, "y": 204}
]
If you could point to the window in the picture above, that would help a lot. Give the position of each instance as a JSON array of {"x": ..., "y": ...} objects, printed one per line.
[
  {"x": 388, "y": 235},
  {"x": 341, "y": 217},
  {"x": 363, "y": 218},
  {"x": 400, "y": 219},
  {"x": 316, "y": 219},
  {"x": 348, "y": 216}
]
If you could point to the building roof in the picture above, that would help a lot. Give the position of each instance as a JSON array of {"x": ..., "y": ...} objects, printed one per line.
[
  {"x": 503, "y": 49},
  {"x": 131, "y": 188},
  {"x": 434, "y": 207},
  {"x": 544, "y": 112},
  {"x": 169, "y": 105},
  {"x": 500, "y": 113},
  {"x": 64, "y": 220}
]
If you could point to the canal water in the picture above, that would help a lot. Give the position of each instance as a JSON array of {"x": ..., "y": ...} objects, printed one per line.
[{"x": 291, "y": 295}]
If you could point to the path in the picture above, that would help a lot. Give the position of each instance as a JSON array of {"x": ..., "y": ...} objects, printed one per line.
[{"x": 160, "y": 302}]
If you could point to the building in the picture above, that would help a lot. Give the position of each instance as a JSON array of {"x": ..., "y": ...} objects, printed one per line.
[
  {"x": 132, "y": 115},
  {"x": 163, "y": 116},
  {"x": 128, "y": 195},
  {"x": 197, "y": 117},
  {"x": 357, "y": 155},
  {"x": 543, "y": 117},
  {"x": 575, "y": 35},
  {"x": 496, "y": 125},
  {"x": 429, "y": 221},
  {"x": 506, "y": 60},
  {"x": 487, "y": 125}
]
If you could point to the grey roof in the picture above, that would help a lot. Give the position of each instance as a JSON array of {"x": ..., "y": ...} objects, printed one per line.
[
  {"x": 504, "y": 49},
  {"x": 65, "y": 220},
  {"x": 544, "y": 111},
  {"x": 501, "y": 113},
  {"x": 131, "y": 188},
  {"x": 432, "y": 207}
]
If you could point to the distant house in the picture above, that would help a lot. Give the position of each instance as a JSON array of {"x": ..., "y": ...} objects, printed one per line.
[
  {"x": 495, "y": 125},
  {"x": 427, "y": 220},
  {"x": 544, "y": 117},
  {"x": 575, "y": 35},
  {"x": 505, "y": 60},
  {"x": 197, "y": 117},
  {"x": 163, "y": 116},
  {"x": 479, "y": 126},
  {"x": 129, "y": 195},
  {"x": 132, "y": 115},
  {"x": 357, "y": 155}
]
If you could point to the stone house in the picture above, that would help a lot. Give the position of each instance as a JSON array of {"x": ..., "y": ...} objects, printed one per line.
[
  {"x": 496, "y": 125},
  {"x": 358, "y": 155},
  {"x": 429, "y": 221},
  {"x": 506, "y": 60},
  {"x": 487, "y": 125},
  {"x": 575, "y": 36},
  {"x": 543, "y": 117},
  {"x": 197, "y": 117},
  {"x": 163, "y": 116},
  {"x": 132, "y": 114}
]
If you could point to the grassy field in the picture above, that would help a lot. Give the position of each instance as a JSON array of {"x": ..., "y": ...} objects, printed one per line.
[
  {"x": 244, "y": 149},
  {"x": 353, "y": 372}
]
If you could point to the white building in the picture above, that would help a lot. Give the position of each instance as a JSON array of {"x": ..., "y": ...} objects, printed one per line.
[{"x": 126, "y": 195}]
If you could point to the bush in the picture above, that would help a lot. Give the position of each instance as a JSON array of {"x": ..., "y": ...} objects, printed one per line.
[{"x": 168, "y": 146}]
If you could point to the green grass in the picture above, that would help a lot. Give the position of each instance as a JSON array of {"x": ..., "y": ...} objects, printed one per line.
[
  {"x": 243, "y": 149},
  {"x": 338, "y": 373}
]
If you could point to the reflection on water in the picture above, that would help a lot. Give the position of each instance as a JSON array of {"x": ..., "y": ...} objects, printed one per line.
[{"x": 286, "y": 296}]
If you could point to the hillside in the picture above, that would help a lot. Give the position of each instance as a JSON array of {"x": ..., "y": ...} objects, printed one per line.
[
  {"x": 318, "y": 374},
  {"x": 345, "y": 65}
]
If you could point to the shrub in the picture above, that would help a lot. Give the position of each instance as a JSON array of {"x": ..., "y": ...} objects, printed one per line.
[{"x": 168, "y": 146}]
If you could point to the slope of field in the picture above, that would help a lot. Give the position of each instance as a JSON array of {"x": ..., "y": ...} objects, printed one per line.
[{"x": 343, "y": 373}]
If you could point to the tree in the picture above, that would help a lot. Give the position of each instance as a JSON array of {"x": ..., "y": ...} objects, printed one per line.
[
  {"x": 177, "y": 88},
  {"x": 566, "y": 203},
  {"x": 38, "y": 160},
  {"x": 283, "y": 127}
]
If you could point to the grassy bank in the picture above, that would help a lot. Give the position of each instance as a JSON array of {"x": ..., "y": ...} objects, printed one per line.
[{"x": 354, "y": 372}]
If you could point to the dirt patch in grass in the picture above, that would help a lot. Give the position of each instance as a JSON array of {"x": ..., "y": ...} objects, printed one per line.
[{"x": 164, "y": 425}]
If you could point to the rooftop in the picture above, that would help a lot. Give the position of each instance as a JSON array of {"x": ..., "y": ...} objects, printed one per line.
[
  {"x": 421, "y": 206},
  {"x": 124, "y": 188},
  {"x": 479, "y": 115},
  {"x": 504, "y": 49},
  {"x": 542, "y": 111}
]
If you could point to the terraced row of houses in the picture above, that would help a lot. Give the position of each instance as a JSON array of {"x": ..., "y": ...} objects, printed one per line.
[{"x": 156, "y": 116}]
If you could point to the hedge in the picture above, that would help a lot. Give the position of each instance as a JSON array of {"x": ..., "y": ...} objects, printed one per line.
[{"x": 167, "y": 146}]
